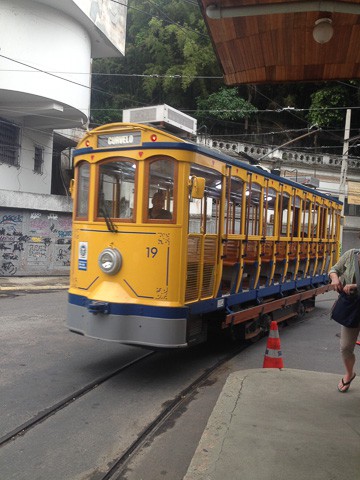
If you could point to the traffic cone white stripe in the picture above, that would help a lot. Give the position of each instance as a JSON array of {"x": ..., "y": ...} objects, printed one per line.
[
  {"x": 273, "y": 353},
  {"x": 274, "y": 334}
]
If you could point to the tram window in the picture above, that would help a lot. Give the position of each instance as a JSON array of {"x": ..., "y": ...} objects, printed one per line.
[
  {"x": 331, "y": 222},
  {"x": 315, "y": 220},
  {"x": 269, "y": 212},
  {"x": 312, "y": 220},
  {"x": 204, "y": 213},
  {"x": 116, "y": 190},
  {"x": 322, "y": 222},
  {"x": 82, "y": 199},
  {"x": 329, "y": 218},
  {"x": 160, "y": 202},
  {"x": 233, "y": 208},
  {"x": 337, "y": 223},
  {"x": 306, "y": 217},
  {"x": 295, "y": 216},
  {"x": 253, "y": 197},
  {"x": 285, "y": 207}
]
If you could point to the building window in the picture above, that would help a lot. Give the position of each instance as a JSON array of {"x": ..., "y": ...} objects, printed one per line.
[
  {"x": 9, "y": 143},
  {"x": 351, "y": 210},
  {"x": 38, "y": 160}
]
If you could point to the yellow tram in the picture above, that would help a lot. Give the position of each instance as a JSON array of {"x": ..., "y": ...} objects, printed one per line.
[{"x": 173, "y": 241}]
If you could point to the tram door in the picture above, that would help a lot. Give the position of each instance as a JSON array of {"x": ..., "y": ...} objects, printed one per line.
[{"x": 203, "y": 237}]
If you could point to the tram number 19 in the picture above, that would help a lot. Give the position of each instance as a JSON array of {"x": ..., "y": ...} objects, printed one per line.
[{"x": 151, "y": 252}]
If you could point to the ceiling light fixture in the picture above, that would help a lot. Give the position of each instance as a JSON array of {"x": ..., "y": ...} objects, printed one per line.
[{"x": 323, "y": 30}]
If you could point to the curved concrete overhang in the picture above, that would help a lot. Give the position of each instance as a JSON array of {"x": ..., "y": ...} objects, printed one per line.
[
  {"x": 107, "y": 40},
  {"x": 34, "y": 111}
]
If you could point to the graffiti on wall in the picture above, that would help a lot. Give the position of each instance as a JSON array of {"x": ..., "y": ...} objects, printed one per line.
[
  {"x": 11, "y": 242},
  {"x": 34, "y": 243}
]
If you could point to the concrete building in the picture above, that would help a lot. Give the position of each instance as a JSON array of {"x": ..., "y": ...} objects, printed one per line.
[{"x": 45, "y": 60}]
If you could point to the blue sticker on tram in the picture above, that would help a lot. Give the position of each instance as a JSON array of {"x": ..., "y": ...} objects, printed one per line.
[{"x": 82, "y": 264}]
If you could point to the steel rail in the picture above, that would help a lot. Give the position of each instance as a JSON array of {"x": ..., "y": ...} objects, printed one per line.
[
  {"x": 48, "y": 412},
  {"x": 119, "y": 465}
]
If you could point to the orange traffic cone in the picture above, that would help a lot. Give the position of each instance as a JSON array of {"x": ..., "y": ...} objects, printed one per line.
[{"x": 273, "y": 355}]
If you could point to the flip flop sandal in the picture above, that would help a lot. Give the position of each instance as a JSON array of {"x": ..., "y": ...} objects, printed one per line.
[{"x": 346, "y": 384}]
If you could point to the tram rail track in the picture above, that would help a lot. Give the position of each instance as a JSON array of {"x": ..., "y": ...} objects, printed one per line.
[
  {"x": 120, "y": 464},
  {"x": 112, "y": 432},
  {"x": 122, "y": 456},
  {"x": 22, "y": 429}
]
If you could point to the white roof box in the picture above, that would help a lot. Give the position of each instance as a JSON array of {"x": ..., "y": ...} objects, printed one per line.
[{"x": 162, "y": 115}]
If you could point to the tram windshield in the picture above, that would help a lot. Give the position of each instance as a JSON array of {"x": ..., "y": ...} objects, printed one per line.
[
  {"x": 116, "y": 190},
  {"x": 161, "y": 175}
]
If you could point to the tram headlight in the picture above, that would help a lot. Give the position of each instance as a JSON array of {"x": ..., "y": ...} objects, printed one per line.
[{"x": 110, "y": 261}]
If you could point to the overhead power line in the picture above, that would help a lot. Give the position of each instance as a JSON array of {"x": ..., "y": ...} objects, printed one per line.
[
  {"x": 54, "y": 75},
  {"x": 101, "y": 74}
]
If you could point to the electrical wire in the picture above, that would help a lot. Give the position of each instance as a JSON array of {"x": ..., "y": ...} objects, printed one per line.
[
  {"x": 54, "y": 75},
  {"x": 126, "y": 75}
]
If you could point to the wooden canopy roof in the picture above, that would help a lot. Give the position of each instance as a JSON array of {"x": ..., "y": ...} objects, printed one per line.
[{"x": 262, "y": 41}]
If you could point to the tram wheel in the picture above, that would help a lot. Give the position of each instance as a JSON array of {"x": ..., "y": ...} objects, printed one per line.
[
  {"x": 253, "y": 331},
  {"x": 300, "y": 313},
  {"x": 301, "y": 310},
  {"x": 265, "y": 321}
]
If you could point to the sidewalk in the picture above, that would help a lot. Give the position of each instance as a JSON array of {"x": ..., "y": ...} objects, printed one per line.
[
  {"x": 271, "y": 424},
  {"x": 13, "y": 284}
]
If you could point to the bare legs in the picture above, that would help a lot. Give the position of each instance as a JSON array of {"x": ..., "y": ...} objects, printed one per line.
[{"x": 347, "y": 346}]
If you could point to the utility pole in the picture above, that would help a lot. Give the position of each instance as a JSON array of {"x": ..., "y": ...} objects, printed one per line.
[{"x": 344, "y": 168}]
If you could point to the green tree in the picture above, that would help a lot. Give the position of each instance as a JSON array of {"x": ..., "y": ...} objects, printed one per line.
[
  {"x": 324, "y": 110},
  {"x": 170, "y": 59},
  {"x": 226, "y": 104},
  {"x": 167, "y": 44}
]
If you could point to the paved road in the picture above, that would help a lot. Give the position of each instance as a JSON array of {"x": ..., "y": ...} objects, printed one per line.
[
  {"x": 42, "y": 363},
  {"x": 311, "y": 344}
]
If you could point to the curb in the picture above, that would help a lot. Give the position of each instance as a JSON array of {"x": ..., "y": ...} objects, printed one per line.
[{"x": 39, "y": 287}]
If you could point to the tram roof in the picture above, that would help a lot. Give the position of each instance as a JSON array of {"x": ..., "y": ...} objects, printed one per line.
[
  {"x": 255, "y": 169},
  {"x": 190, "y": 146}
]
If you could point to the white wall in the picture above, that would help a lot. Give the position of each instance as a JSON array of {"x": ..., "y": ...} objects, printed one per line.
[
  {"x": 46, "y": 48},
  {"x": 45, "y": 38},
  {"x": 23, "y": 178}
]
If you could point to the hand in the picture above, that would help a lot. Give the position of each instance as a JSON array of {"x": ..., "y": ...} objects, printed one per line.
[
  {"x": 348, "y": 289},
  {"x": 338, "y": 286}
]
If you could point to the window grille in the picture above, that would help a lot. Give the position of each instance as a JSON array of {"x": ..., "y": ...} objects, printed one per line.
[
  {"x": 351, "y": 210},
  {"x": 9, "y": 143},
  {"x": 38, "y": 160}
]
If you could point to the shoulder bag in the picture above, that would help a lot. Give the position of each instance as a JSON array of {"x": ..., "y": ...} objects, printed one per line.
[{"x": 346, "y": 309}]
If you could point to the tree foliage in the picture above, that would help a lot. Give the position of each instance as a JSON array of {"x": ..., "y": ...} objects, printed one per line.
[
  {"x": 226, "y": 104},
  {"x": 169, "y": 59},
  {"x": 325, "y": 103},
  {"x": 169, "y": 46}
]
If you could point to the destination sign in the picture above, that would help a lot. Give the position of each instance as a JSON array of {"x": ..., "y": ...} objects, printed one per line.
[{"x": 120, "y": 139}]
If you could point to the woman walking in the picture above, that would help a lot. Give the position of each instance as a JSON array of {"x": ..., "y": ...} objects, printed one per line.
[{"x": 342, "y": 276}]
